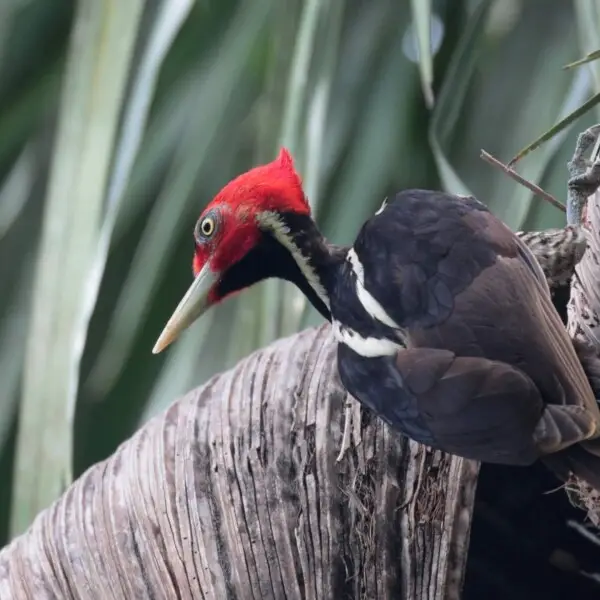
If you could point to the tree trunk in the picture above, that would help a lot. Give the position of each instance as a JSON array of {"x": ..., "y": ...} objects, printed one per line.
[
  {"x": 248, "y": 488},
  {"x": 584, "y": 324}
]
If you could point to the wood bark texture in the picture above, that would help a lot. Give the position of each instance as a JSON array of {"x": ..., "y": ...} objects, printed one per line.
[
  {"x": 267, "y": 482},
  {"x": 584, "y": 324}
]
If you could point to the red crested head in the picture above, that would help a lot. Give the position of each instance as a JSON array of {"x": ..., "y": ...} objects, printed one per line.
[
  {"x": 275, "y": 186},
  {"x": 228, "y": 227},
  {"x": 241, "y": 238}
]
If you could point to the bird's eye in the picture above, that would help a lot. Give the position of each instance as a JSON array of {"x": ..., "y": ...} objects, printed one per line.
[{"x": 207, "y": 226}]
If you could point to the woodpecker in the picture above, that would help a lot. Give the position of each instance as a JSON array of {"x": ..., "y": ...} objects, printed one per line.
[{"x": 443, "y": 317}]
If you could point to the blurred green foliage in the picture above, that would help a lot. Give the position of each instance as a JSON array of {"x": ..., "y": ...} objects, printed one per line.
[{"x": 120, "y": 120}]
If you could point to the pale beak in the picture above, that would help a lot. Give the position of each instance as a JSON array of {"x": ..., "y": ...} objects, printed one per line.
[{"x": 192, "y": 305}]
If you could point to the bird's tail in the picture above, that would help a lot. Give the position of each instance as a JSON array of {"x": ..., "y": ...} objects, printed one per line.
[{"x": 583, "y": 459}]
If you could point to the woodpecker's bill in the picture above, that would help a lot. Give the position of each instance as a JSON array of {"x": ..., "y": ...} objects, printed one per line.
[{"x": 443, "y": 316}]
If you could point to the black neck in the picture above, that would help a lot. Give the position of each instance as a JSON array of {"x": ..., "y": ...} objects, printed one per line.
[
  {"x": 270, "y": 258},
  {"x": 324, "y": 258}
]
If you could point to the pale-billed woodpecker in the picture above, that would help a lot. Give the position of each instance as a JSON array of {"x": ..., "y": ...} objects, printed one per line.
[{"x": 443, "y": 317}]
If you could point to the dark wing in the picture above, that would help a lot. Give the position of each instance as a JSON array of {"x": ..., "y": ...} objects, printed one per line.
[
  {"x": 469, "y": 406},
  {"x": 507, "y": 316},
  {"x": 458, "y": 278},
  {"x": 424, "y": 249},
  {"x": 487, "y": 410},
  {"x": 506, "y": 244},
  {"x": 433, "y": 246},
  {"x": 487, "y": 350},
  {"x": 473, "y": 407}
]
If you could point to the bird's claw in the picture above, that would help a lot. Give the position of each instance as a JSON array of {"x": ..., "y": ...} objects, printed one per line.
[{"x": 584, "y": 175}]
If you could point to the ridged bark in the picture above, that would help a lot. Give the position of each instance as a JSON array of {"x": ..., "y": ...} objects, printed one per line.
[
  {"x": 248, "y": 488},
  {"x": 584, "y": 324}
]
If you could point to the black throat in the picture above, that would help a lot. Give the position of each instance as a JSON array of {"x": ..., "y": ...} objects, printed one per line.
[{"x": 271, "y": 258}]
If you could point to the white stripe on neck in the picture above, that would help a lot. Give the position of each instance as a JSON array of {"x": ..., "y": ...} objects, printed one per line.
[
  {"x": 382, "y": 207},
  {"x": 274, "y": 223},
  {"x": 371, "y": 306},
  {"x": 369, "y": 347}
]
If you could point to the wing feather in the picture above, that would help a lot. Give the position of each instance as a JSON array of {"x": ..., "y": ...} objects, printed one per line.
[
  {"x": 487, "y": 350},
  {"x": 473, "y": 407}
]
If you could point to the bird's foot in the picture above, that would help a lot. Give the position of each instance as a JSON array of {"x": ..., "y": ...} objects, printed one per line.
[{"x": 584, "y": 175}]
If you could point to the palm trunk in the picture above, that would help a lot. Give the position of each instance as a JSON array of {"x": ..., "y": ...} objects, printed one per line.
[{"x": 239, "y": 490}]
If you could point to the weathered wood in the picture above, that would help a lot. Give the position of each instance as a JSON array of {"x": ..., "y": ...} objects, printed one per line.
[
  {"x": 236, "y": 491},
  {"x": 584, "y": 305},
  {"x": 584, "y": 324}
]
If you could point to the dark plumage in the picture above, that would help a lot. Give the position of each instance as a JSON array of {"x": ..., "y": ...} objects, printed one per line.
[
  {"x": 444, "y": 318},
  {"x": 489, "y": 371}
]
